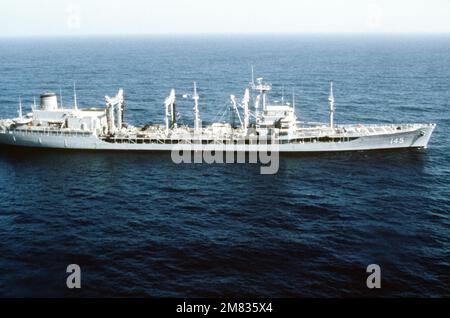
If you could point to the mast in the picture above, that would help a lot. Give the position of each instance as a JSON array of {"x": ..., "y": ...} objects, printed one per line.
[
  {"x": 60, "y": 98},
  {"x": 293, "y": 100},
  {"x": 122, "y": 109},
  {"x": 173, "y": 111},
  {"x": 195, "y": 97},
  {"x": 20, "y": 108},
  {"x": 263, "y": 94},
  {"x": 257, "y": 101},
  {"x": 253, "y": 76},
  {"x": 331, "y": 105},
  {"x": 119, "y": 99},
  {"x": 166, "y": 117},
  {"x": 263, "y": 88},
  {"x": 75, "y": 104},
  {"x": 245, "y": 102},
  {"x": 112, "y": 128}
]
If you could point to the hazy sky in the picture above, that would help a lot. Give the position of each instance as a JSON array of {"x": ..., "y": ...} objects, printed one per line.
[{"x": 99, "y": 17}]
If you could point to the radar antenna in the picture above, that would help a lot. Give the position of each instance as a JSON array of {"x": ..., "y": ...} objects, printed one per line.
[{"x": 263, "y": 88}]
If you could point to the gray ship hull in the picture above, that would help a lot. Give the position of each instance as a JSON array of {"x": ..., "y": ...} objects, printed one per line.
[{"x": 417, "y": 138}]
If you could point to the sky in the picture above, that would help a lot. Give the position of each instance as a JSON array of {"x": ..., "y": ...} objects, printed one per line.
[{"x": 142, "y": 17}]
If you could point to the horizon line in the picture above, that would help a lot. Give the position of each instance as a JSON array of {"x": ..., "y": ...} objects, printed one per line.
[{"x": 233, "y": 34}]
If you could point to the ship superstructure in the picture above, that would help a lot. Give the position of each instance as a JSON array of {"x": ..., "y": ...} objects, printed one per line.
[{"x": 260, "y": 123}]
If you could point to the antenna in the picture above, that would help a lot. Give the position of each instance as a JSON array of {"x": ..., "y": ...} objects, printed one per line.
[
  {"x": 75, "y": 105},
  {"x": 331, "y": 105},
  {"x": 282, "y": 95},
  {"x": 244, "y": 103},
  {"x": 263, "y": 88},
  {"x": 20, "y": 107},
  {"x": 195, "y": 97},
  {"x": 253, "y": 76},
  {"x": 60, "y": 98},
  {"x": 196, "y": 110},
  {"x": 293, "y": 99},
  {"x": 331, "y": 92}
]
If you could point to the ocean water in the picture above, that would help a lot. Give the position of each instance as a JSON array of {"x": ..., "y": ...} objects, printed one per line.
[{"x": 140, "y": 225}]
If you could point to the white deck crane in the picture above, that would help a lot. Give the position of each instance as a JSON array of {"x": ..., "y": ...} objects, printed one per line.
[
  {"x": 114, "y": 111},
  {"x": 170, "y": 116},
  {"x": 244, "y": 104}
]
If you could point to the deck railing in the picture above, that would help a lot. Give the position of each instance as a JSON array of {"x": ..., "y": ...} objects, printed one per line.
[{"x": 49, "y": 132}]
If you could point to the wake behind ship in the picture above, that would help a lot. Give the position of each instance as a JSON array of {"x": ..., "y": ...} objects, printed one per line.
[{"x": 262, "y": 125}]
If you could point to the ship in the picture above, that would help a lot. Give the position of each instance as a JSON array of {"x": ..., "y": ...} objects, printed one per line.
[{"x": 260, "y": 124}]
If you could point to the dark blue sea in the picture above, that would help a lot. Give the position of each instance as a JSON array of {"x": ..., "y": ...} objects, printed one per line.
[{"x": 140, "y": 225}]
